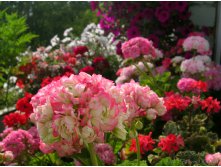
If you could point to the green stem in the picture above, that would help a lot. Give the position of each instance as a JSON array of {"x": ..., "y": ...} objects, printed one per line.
[
  {"x": 138, "y": 150},
  {"x": 92, "y": 154}
]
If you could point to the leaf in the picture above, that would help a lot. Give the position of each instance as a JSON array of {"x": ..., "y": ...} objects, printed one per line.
[
  {"x": 132, "y": 163},
  {"x": 169, "y": 162},
  {"x": 157, "y": 150}
]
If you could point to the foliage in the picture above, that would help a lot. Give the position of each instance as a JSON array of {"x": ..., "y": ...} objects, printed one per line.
[
  {"x": 132, "y": 163},
  {"x": 169, "y": 162},
  {"x": 13, "y": 37},
  {"x": 192, "y": 158},
  {"x": 62, "y": 15}
]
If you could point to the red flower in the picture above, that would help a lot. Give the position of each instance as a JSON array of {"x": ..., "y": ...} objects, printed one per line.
[
  {"x": 176, "y": 101},
  {"x": 20, "y": 83},
  {"x": 88, "y": 69},
  {"x": 23, "y": 104},
  {"x": 171, "y": 143},
  {"x": 15, "y": 119},
  {"x": 201, "y": 86},
  {"x": 46, "y": 81},
  {"x": 68, "y": 69},
  {"x": 100, "y": 63},
  {"x": 80, "y": 50},
  {"x": 146, "y": 143},
  {"x": 211, "y": 105},
  {"x": 166, "y": 62}
]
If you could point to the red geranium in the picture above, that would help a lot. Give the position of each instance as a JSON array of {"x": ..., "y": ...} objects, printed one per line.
[
  {"x": 171, "y": 143},
  {"x": 210, "y": 105},
  {"x": 146, "y": 143},
  {"x": 80, "y": 50},
  {"x": 176, "y": 101},
  {"x": 100, "y": 63},
  {"x": 88, "y": 69},
  {"x": 20, "y": 83},
  {"x": 24, "y": 105},
  {"x": 15, "y": 119}
]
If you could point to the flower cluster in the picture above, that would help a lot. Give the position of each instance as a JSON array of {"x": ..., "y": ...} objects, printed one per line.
[
  {"x": 196, "y": 65},
  {"x": 176, "y": 102},
  {"x": 18, "y": 142},
  {"x": 23, "y": 104},
  {"x": 171, "y": 143},
  {"x": 141, "y": 101},
  {"x": 130, "y": 72},
  {"x": 213, "y": 159},
  {"x": 20, "y": 117},
  {"x": 161, "y": 18},
  {"x": 146, "y": 143},
  {"x": 196, "y": 43},
  {"x": 191, "y": 85},
  {"x": 213, "y": 77},
  {"x": 138, "y": 46},
  {"x": 105, "y": 153},
  {"x": 15, "y": 119},
  {"x": 81, "y": 108},
  {"x": 210, "y": 105}
]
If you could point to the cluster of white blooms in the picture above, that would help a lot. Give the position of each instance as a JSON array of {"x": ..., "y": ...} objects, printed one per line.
[{"x": 92, "y": 36}]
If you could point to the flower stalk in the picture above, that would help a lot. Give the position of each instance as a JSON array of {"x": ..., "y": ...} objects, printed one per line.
[
  {"x": 138, "y": 151},
  {"x": 92, "y": 154}
]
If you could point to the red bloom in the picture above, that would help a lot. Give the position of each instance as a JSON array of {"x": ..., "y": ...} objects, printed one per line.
[
  {"x": 15, "y": 119},
  {"x": 146, "y": 143},
  {"x": 20, "y": 83},
  {"x": 68, "y": 69},
  {"x": 80, "y": 50},
  {"x": 211, "y": 105},
  {"x": 46, "y": 81},
  {"x": 176, "y": 101},
  {"x": 166, "y": 62},
  {"x": 171, "y": 143},
  {"x": 88, "y": 69},
  {"x": 23, "y": 104},
  {"x": 201, "y": 86},
  {"x": 100, "y": 63}
]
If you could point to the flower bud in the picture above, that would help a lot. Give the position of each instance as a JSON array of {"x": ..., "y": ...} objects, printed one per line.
[{"x": 138, "y": 125}]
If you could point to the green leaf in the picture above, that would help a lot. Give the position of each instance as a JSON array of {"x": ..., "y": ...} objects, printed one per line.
[
  {"x": 169, "y": 162},
  {"x": 132, "y": 163}
]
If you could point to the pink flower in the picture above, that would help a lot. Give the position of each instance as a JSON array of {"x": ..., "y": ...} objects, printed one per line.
[
  {"x": 191, "y": 85},
  {"x": 105, "y": 153},
  {"x": 213, "y": 159},
  {"x": 198, "y": 43},
  {"x": 138, "y": 46},
  {"x": 18, "y": 142}
]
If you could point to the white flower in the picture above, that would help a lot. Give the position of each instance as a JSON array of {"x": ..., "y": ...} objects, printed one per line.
[
  {"x": 55, "y": 40},
  {"x": 67, "y": 39},
  {"x": 67, "y": 31}
]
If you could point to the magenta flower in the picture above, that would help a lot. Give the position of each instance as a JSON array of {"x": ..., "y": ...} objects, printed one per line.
[
  {"x": 162, "y": 14},
  {"x": 133, "y": 32}
]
